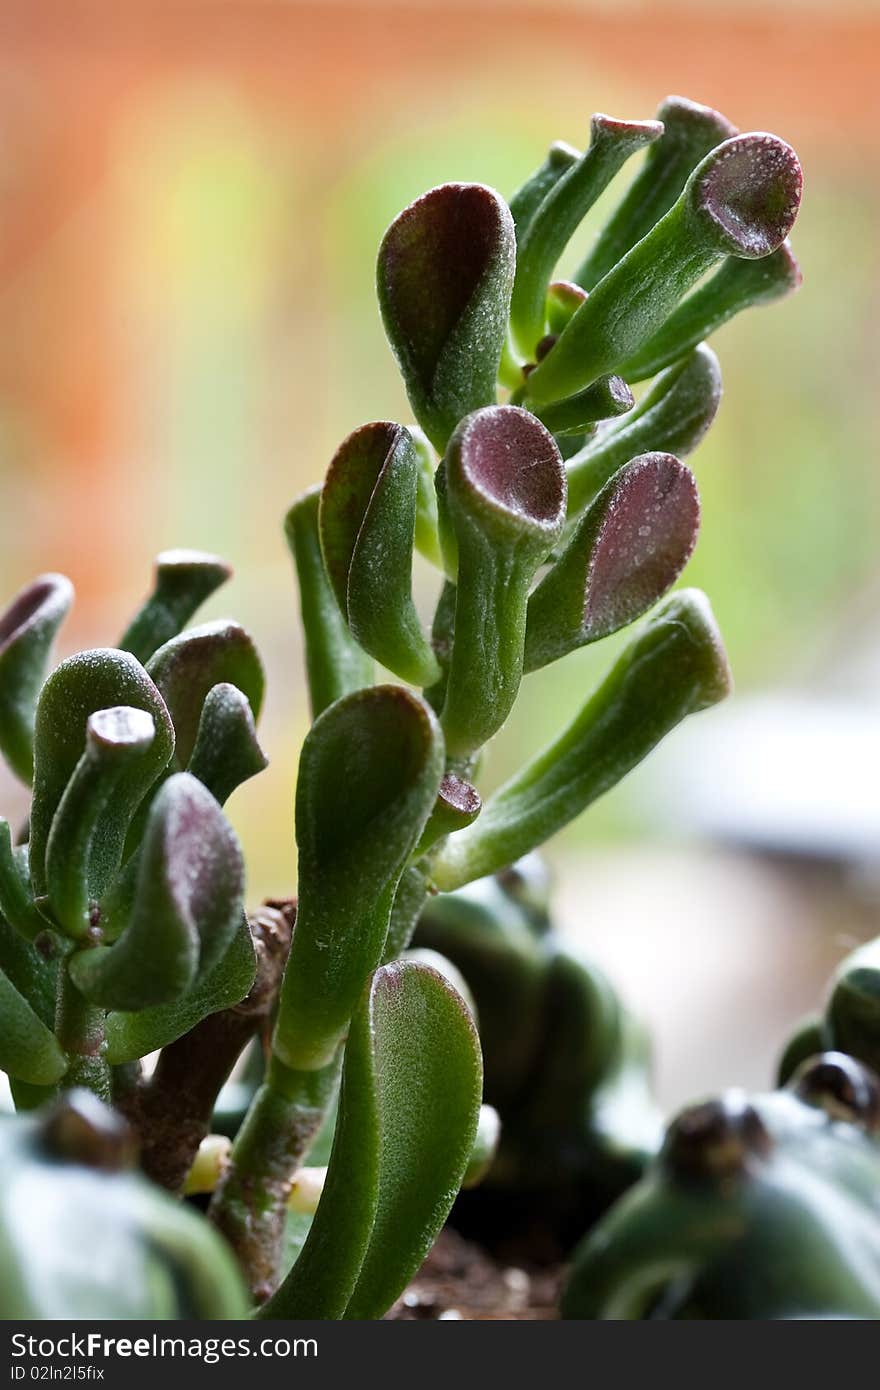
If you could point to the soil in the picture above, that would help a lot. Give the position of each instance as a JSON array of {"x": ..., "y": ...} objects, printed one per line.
[{"x": 460, "y": 1281}]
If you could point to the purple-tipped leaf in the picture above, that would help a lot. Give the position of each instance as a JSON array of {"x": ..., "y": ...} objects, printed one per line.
[
  {"x": 628, "y": 550},
  {"x": 80, "y": 686},
  {"x": 612, "y": 142},
  {"x": 367, "y": 521},
  {"x": 187, "y": 667},
  {"x": 690, "y": 131},
  {"x": 27, "y": 631},
  {"x": 444, "y": 279},
  {"x": 741, "y": 200},
  {"x": 505, "y": 494},
  {"x": 187, "y": 908},
  {"x": 118, "y": 744},
  {"x": 746, "y": 194},
  {"x": 184, "y": 579}
]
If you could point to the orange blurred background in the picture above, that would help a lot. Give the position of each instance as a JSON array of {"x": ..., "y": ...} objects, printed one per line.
[{"x": 191, "y": 197}]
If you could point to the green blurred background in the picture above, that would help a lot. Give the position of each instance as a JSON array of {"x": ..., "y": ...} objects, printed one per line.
[{"x": 191, "y": 197}]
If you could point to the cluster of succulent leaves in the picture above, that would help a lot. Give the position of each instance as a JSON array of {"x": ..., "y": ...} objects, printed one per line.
[
  {"x": 555, "y": 519},
  {"x": 566, "y": 1066}
]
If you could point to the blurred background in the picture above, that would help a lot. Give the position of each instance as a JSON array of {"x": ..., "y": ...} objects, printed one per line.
[{"x": 191, "y": 197}]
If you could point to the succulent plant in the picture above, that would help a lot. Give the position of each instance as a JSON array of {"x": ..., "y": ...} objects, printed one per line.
[
  {"x": 556, "y": 514},
  {"x": 566, "y": 1067},
  {"x": 757, "y": 1207}
]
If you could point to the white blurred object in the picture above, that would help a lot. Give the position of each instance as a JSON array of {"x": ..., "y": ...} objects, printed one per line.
[{"x": 784, "y": 773}]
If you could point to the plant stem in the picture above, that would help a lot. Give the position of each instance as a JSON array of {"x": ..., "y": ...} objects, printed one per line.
[
  {"x": 172, "y": 1112},
  {"x": 79, "y": 1028},
  {"x": 250, "y": 1203}
]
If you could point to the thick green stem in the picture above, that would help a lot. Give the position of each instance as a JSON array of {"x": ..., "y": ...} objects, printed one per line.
[
  {"x": 249, "y": 1205},
  {"x": 79, "y": 1028}
]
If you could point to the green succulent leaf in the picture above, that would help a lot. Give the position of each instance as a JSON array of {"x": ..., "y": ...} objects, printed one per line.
[
  {"x": 604, "y": 400},
  {"x": 505, "y": 494},
  {"x": 629, "y": 548},
  {"x": 17, "y": 904},
  {"x": 564, "y": 298},
  {"x": 444, "y": 278},
  {"x": 27, "y": 631},
  {"x": 32, "y": 969},
  {"x": 674, "y": 667},
  {"x": 458, "y": 804},
  {"x": 427, "y": 538},
  {"x": 735, "y": 285},
  {"x": 369, "y": 774},
  {"x": 81, "y": 686},
  {"x": 408, "y": 1113},
  {"x": 492, "y": 942},
  {"x": 188, "y": 667},
  {"x": 741, "y": 200},
  {"x": 690, "y": 131},
  {"x": 561, "y": 212},
  {"x": 335, "y": 663},
  {"x": 672, "y": 418},
  {"x": 118, "y": 743},
  {"x": 184, "y": 579},
  {"x": 227, "y": 751},
  {"x": 186, "y": 910},
  {"x": 525, "y": 202},
  {"x": 29, "y": 1050},
  {"x": 367, "y": 520},
  {"x": 133, "y": 1035}
]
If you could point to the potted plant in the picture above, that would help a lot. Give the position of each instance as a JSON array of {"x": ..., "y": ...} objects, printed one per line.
[{"x": 557, "y": 510}]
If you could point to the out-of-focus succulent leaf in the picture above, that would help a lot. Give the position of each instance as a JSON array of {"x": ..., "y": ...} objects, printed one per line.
[
  {"x": 853, "y": 1011},
  {"x": 118, "y": 742},
  {"x": 133, "y": 1035},
  {"x": 186, "y": 910},
  {"x": 757, "y": 1207},
  {"x": 675, "y": 666},
  {"x": 335, "y": 663},
  {"x": 629, "y": 548},
  {"x": 27, "y": 631},
  {"x": 227, "y": 751},
  {"x": 560, "y": 214},
  {"x": 183, "y": 580},
  {"x": 741, "y": 200},
  {"x": 672, "y": 418},
  {"x": 369, "y": 774},
  {"x": 83, "y": 1238},
  {"x": 485, "y": 1147},
  {"x": 77, "y": 689},
  {"x": 735, "y": 285},
  {"x": 408, "y": 1113},
  {"x": 491, "y": 941},
  {"x": 367, "y": 521},
  {"x": 690, "y": 131},
  {"x": 188, "y": 667},
  {"x": 445, "y": 274},
  {"x": 505, "y": 492}
]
